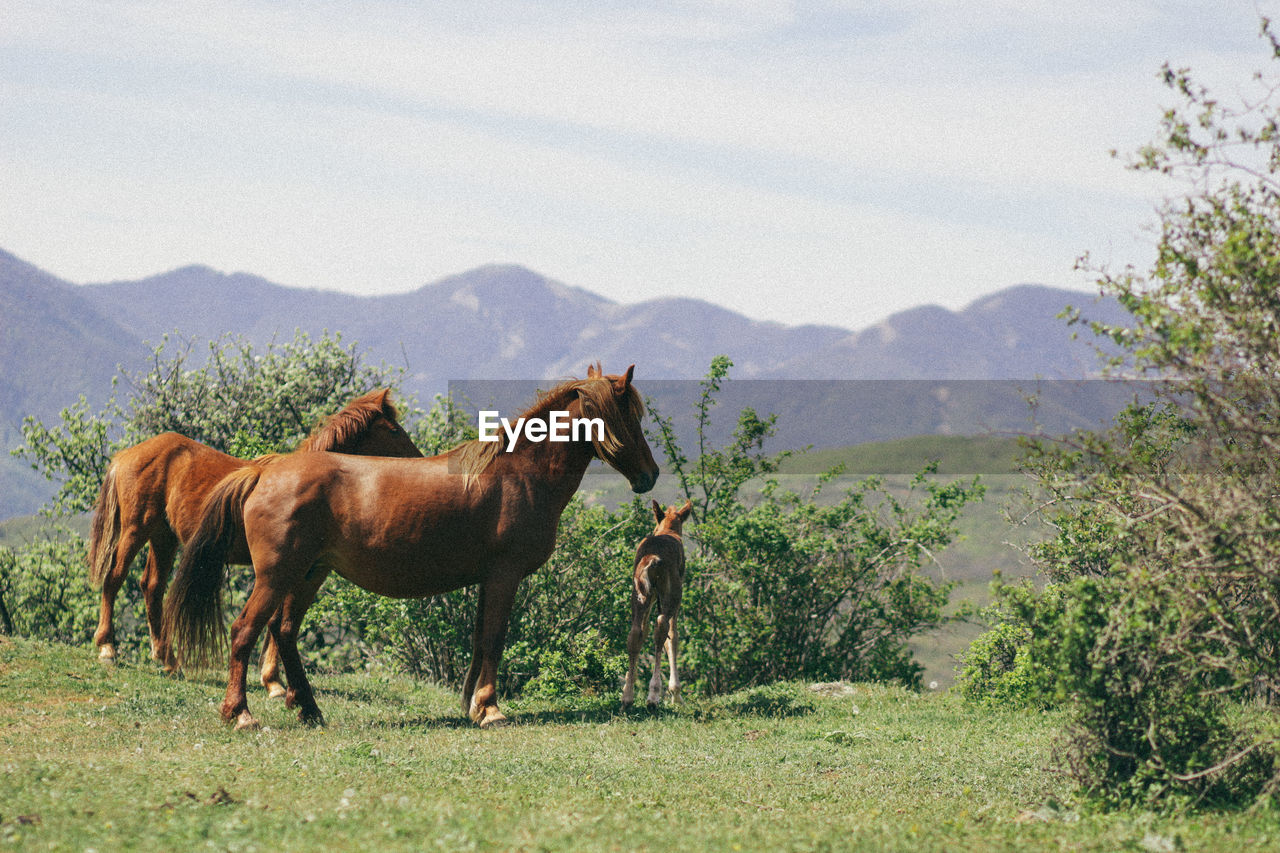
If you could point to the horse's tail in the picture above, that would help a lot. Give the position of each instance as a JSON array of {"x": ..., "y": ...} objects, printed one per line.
[
  {"x": 104, "y": 536},
  {"x": 644, "y": 577},
  {"x": 193, "y": 608}
]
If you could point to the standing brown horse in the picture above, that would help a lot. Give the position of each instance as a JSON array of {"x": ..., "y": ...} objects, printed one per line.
[
  {"x": 153, "y": 492},
  {"x": 478, "y": 514},
  {"x": 658, "y": 576}
]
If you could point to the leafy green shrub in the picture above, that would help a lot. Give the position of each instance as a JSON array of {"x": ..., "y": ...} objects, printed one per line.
[
  {"x": 1002, "y": 665},
  {"x": 585, "y": 667},
  {"x": 1148, "y": 724},
  {"x": 45, "y": 594}
]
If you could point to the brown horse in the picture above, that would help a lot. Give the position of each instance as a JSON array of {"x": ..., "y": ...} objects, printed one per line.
[
  {"x": 478, "y": 514},
  {"x": 658, "y": 576},
  {"x": 153, "y": 492}
]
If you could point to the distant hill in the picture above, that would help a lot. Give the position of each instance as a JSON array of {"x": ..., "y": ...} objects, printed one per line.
[{"x": 60, "y": 340}]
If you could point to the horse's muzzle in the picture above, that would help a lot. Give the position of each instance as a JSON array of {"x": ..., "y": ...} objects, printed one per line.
[{"x": 644, "y": 482}]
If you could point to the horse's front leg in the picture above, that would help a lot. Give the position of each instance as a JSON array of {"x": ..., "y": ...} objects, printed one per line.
[
  {"x": 496, "y": 599},
  {"x": 284, "y": 631}
]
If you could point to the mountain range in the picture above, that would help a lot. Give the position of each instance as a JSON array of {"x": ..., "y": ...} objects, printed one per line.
[{"x": 59, "y": 340}]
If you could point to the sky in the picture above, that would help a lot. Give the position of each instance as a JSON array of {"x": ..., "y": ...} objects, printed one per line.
[{"x": 806, "y": 162}]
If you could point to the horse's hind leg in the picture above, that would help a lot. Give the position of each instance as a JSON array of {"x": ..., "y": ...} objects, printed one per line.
[
  {"x": 660, "y": 630},
  {"x": 284, "y": 630},
  {"x": 155, "y": 580},
  {"x": 673, "y": 649},
  {"x": 269, "y": 663},
  {"x": 635, "y": 645},
  {"x": 131, "y": 539}
]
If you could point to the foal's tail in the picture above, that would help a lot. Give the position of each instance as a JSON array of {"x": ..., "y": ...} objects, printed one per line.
[
  {"x": 644, "y": 578},
  {"x": 104, "y": 536},
  {"x": 193, "y": 607}
]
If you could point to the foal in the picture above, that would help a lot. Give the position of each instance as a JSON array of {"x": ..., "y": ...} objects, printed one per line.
[{"x": 658, "y": 575}]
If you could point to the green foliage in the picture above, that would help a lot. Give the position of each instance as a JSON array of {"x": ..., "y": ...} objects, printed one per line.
[
  {"x": 75, "y": 451},
  {"x": 1149, "y": 725},
  {"x": 277, "y": 395},
  {"x": 585, "y": 666},
  {"x": 1000, "y": 668},
  {"x": 42, "y": 598}
]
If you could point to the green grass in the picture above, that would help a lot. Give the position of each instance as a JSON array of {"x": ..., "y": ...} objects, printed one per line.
[{"x": 126, "y": 758}]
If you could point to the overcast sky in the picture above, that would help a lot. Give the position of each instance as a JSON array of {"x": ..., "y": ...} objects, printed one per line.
[{"x": 823, "y": 162}]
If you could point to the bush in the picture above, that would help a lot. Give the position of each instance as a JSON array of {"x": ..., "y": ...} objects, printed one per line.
[{"x": 45, "y": 594}]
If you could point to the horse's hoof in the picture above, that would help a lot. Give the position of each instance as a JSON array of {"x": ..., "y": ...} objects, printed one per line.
[
  {"x": 275, "y": 690},
  {"x": 107, "y": 653},
  {"x": 496, "y": 720},
  {"x": 314, "y": 720},
  {"x": 246, "y": 722}
]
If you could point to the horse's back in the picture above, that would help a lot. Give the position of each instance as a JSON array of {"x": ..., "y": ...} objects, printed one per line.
[{"x": 669, "y": 548}]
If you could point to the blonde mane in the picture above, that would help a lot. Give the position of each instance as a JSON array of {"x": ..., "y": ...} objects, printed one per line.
[
  {"x": 341, "y": 428},
  {"x": 472, "y": 458}
]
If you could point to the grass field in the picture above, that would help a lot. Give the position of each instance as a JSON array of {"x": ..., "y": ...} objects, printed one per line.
[{"x": 125, "y": 758}]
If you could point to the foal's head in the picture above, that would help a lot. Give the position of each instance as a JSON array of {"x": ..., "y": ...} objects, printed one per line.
[{"x": 671, "y": 520}]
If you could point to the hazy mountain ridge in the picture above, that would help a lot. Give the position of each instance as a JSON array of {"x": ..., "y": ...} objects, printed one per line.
[{"x": 59, "y": 340}]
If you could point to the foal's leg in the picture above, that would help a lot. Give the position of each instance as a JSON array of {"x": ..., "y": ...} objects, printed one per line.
[
  {"x": 155, "y": 580},
  {"x": 262, "y": 603},
  {"x": 659, "y": 642},
  {"x": 673, "y": 648},
  {"x": 284, "y": 630},
  {"x": 635, "y": 644},
  {"x": 127, "y": 547},
  {"x": 497, "y": 597}
]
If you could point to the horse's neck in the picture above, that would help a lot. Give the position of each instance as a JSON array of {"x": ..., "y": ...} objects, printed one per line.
[{"x": 559, "y": 465}]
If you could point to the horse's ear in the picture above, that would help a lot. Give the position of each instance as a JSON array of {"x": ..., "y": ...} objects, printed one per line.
[
  {"x": 658, "y": 512},
  {"x": 624, "y": 383},
  {"x": 383, "y": 398},
  {"x": 684, "y": 511},
  {"x": 593, "y": 371}
]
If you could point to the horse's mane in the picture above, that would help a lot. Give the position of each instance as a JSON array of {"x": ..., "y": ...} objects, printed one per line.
[
  {"x": 341, "y": 429},
  {"x": 471, "y": 458}
]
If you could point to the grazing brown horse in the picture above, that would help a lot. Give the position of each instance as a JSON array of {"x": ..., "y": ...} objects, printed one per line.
[
  {"x": 153, "y": 492},
  {"x": 406, "y": 528},
  {"x": 658, "y": 576}
]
